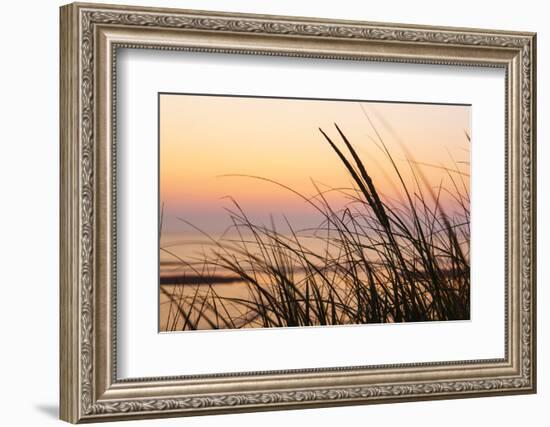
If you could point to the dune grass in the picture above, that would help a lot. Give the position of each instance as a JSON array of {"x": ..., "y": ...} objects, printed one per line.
[{"x": 382, "y": 260}]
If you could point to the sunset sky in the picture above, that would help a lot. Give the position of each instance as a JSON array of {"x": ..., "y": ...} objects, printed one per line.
[{"x": 203, "y": 138}]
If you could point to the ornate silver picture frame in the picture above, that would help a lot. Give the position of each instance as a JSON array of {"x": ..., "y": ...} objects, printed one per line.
[{"x": 92, "y": 35}]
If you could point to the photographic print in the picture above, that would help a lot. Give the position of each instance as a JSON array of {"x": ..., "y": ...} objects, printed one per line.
[{"x": 282, "y": 212}]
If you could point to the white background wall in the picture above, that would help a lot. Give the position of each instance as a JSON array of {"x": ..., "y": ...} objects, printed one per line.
[{"x": 29, "y": 171}]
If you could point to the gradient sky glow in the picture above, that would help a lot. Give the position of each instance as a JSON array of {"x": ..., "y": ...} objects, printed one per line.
[{"x": 203, "y": 138}]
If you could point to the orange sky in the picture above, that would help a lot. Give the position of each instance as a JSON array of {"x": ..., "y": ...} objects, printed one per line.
[{"x": 203, "y": 138}]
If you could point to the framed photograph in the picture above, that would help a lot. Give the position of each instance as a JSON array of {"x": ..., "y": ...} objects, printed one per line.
[{"x": 265, "y": 212}]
